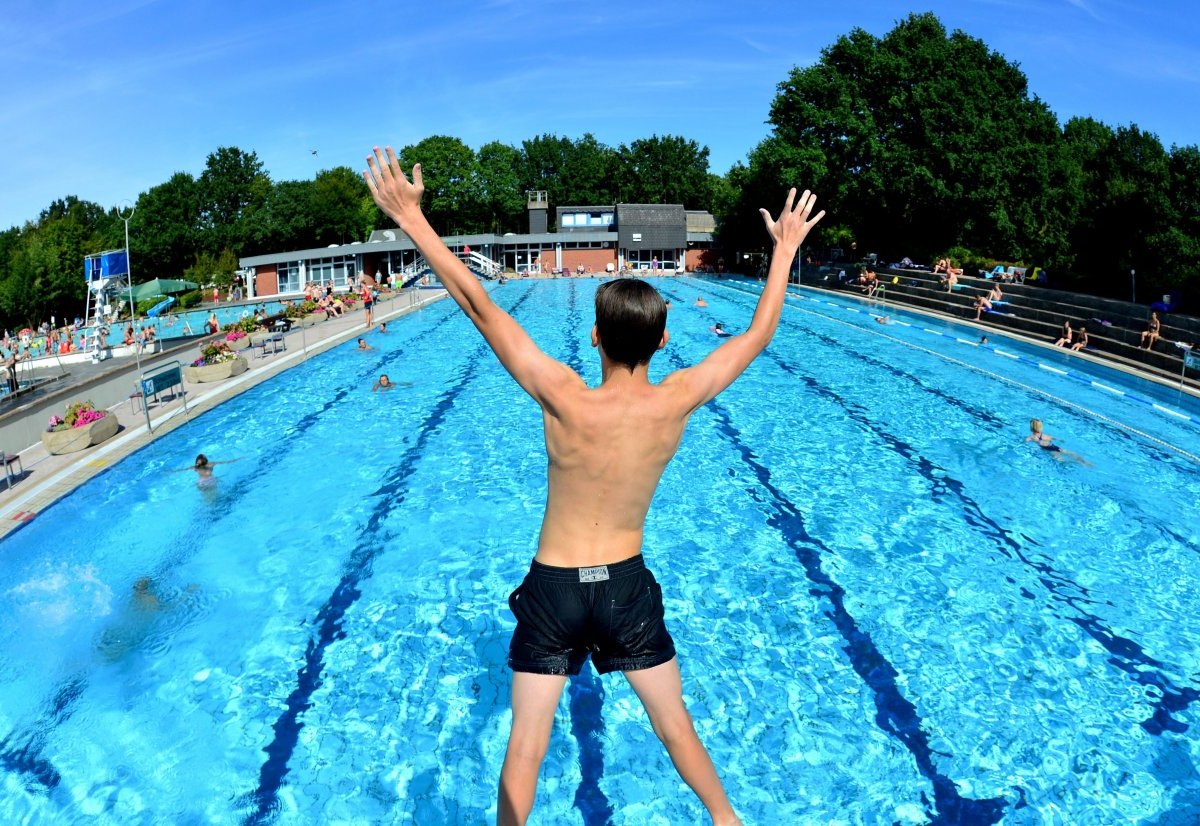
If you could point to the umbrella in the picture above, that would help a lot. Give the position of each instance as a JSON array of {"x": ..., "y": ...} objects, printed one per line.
[{"x": 161, "y": 286}]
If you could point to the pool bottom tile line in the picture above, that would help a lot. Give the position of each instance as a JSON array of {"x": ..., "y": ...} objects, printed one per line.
[
  {"x": 390, "y": 496},
  {"x": 895, "y": 714}
]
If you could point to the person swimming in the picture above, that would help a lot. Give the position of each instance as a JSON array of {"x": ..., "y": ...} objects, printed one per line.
[
  {"x": 384, "y": 383},
  {"x": 1046, "y": 442},
  {"x": 719, "y": 329},
  {"x": 203, "y": 468}
]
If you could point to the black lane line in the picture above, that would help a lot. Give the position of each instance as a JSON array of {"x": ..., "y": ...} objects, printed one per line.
[
  {"x": 586, "y": 691},
  {"x": 978, "y": 413},
  {"x": 894, "y": 713},
  {"x": 1127, "y": 655},
  {"x": 21, "y": 751},
  {"x": 390, "y": 496}
]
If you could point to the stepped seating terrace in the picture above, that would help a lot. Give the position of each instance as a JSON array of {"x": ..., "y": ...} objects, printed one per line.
[{"x": 1037, "y": 313}]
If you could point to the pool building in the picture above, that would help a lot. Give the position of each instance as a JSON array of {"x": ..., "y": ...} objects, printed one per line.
[{"x": 663, "y": 237}]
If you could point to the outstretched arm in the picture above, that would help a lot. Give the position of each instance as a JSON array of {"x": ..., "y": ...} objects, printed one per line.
[
  {"x": 727, "y": 362},
  {"x": 401, "y": 199}
]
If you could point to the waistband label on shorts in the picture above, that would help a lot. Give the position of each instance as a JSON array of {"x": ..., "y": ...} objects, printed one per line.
[{"x": 597, "y": 574}]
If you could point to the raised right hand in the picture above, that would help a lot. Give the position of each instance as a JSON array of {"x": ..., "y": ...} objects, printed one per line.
[
  {"x": 793, "y": 224},
  {"x": 391, "y": 189}
]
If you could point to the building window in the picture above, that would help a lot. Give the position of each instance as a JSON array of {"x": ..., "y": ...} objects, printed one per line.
[
  {"x": 289, "y": 277},
  {"x": 587, "y": 219}
]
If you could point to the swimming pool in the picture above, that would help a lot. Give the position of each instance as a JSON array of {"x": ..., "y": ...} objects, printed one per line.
[{"x": 888, "y": 606}]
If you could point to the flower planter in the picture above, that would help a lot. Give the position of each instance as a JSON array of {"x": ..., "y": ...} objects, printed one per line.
[
  {"x": 238, "y": 343},
  {"x": 216, "y": 372},
  {"x": 78, "y": 438}
]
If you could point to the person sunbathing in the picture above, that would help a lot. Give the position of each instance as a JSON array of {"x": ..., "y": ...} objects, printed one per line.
[
  {"x": 869, "y": 282},
  {"x": 1081, "y": 340},
  {"x": 1065, "y": 338},
  {"x": 1151, "y": 333},
  {"x": 982, "y": 304}
]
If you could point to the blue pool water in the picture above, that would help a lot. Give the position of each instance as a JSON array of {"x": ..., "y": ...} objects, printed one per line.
[{"x": 888, "y": 607}]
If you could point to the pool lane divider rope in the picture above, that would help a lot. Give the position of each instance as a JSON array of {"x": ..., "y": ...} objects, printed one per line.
[
  {"x": 390, "y": 496},
  {"x": 284, "y": 362},
  {"x": 894, "y": 713},
  {"x": 1082, "y": 378},
  {"x": 20, "y": 751},
  {"x": 1126, "y": 654}
]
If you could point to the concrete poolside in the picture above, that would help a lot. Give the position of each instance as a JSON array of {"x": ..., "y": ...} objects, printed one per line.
[{"x": 46, "y": 478}]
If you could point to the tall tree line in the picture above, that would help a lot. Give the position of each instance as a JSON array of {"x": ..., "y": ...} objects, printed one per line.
[
  {"x": 921, "y": 143},
  {"x": 196, "y": 227},
  {"x": 926, "y": 143}
]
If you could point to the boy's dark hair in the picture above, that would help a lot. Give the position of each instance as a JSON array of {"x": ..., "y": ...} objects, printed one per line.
[{"x": 630, "y": 319}]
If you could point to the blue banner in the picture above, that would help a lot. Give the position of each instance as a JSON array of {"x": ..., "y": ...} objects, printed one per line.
[
  {"x": 110, "y": 264},
  {"x": 1191, "y": 359}
]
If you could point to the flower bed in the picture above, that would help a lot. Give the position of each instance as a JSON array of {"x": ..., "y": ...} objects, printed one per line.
[
  {"x": 81, "y": 427},
  {"x": 217, "y": 361}
]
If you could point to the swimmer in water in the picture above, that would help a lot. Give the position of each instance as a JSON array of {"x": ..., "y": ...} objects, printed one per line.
[
  {"x": 383, "y": 326},
  {"x": 384, "y": 383},
  {"x": 203, "y": 468},
  {"x": 362, "y": 345},
  {"x": 719, "y": 329},
  {"x": 700, "y": 302},
  {"x": 1046, "y": 442},
  {"x": 882, "y": 319}
]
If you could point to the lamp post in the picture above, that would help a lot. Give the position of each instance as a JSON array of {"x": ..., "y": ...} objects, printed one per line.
[
  {"x": 1133, "y": 284},
  {"x": 125, "y": 212}
]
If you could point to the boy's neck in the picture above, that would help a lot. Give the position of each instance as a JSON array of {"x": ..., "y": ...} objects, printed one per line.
[{"x": 612, "y": 372}]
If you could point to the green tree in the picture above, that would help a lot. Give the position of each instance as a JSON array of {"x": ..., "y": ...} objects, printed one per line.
[
  {"x": 283, "y": 221},
  {"x": 233, "y": 181},
  {"x": 664, "y": 170},
  {"x": 44, "y": 271},
  {"x": 165, "y": 228},
  {"x": 921, "y": 141},
  {"x": 216, "y": 269},
  {"x": 338, "y": 199},
  {"x": 448, "y": 169},
  {"x": 500, "y": 196},
  {"x": 578, "y": 173},
  {"x": 1126, "y": 220}
]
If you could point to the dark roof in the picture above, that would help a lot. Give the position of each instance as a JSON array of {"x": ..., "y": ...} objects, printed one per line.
[{"x": 660, "y": 226}]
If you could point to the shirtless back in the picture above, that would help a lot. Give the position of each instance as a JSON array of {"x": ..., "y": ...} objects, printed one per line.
[{"x": 607, "y": 448}]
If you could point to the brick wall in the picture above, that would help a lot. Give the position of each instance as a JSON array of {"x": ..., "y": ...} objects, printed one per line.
[
  {"x": 266, "y": 280},
  {"x": 594, "y": 260}
]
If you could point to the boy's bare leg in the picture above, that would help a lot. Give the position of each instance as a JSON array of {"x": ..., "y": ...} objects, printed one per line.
[
  {"x": 534, "y": 700},
  {"x": 661, "y": 692}
]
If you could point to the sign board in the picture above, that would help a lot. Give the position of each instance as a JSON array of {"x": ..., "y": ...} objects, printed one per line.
[
  {"x": 1191, "y": 359},
  {"x": 157, "y": 380},
  {"x": 161, "y": 381},
  {"x": 110, "y": 264}
]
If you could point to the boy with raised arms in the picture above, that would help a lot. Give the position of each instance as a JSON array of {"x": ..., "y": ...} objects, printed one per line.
[{"x": 607, "y": 448}]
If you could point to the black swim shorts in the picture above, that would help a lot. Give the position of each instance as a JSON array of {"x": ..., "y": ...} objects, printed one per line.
[{"x": 612, "y": 612}]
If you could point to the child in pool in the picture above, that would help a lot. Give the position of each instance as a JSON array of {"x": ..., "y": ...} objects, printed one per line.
[{"x": 1046, "y": 442}]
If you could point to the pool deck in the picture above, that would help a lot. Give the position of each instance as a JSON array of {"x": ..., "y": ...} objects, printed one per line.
[{"x": 46, "y": 477}]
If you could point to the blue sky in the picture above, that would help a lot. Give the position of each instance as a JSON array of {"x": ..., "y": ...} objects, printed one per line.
[{"x": 104, "y": 100}]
